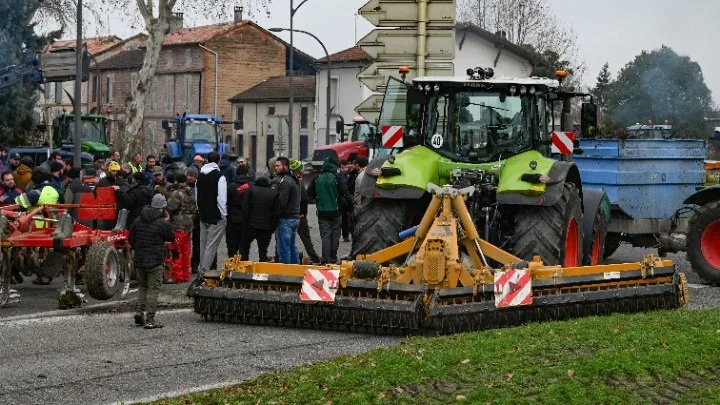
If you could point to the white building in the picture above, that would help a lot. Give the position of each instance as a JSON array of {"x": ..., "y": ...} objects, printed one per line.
[
  {"x": 474, "y": 47},
  {"x": 262, "y": 113}
]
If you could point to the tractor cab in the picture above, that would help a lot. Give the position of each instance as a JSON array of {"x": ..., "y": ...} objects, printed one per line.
[
  {"x": 479, "y": 118},
  {"x": 195, "y": 134},
  {"x": 93, "y": 135}
]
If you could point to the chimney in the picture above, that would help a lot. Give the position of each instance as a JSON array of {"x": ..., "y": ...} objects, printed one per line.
[
  {"x": 176, "y": 22},
  {"x": 238, "y": 14}
]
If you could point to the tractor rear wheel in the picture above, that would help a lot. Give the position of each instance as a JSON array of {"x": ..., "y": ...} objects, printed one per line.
[
  {"x": 553, "y": 232},
  {"x": 378, "y": 224},
  {"x": 102, "y": 271},
  {"x": 703, "y": 242},
  {"x": 594, "y": 243}
]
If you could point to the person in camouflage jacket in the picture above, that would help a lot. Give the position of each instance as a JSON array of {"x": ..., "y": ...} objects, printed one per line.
[{"x": 181, "y": 205}]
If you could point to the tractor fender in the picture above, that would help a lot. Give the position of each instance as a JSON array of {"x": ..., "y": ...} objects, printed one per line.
[
  {"x": 368, "y": 188},
  {"x": 704, "y": 196},
  {"x": 560, "y": 173},
  {"x": 594, "y": 201}
]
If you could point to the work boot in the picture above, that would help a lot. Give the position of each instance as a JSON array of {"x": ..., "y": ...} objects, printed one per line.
[
  {"x": 152, "y": 324},
  {"x": 139, "y": 319}
]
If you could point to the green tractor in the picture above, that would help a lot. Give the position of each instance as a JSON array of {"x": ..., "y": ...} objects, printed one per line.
[
  {"x": 93, "y": 134},
  {"x": 494, "y": 135}
]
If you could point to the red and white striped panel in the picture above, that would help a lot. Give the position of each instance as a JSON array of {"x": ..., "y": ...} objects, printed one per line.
[
  {"x": 319, "y": 285},
  {"x": 392, "y": 136},
  {"x": 513, "y": 288},
  {"x": 562, "y": 142}
]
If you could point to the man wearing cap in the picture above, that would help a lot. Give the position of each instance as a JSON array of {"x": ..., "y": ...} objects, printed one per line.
[
  {"x": 14, "y": 162},
  {"x": 159, "y": 185},
  {"x": 111, "y": 178},
  {"x": 89, "y": 178},
  {"x": 148, "y": 235},
  {"x": 56, "y": 181},
  {"x": 198, "y": 162},
  {"x": 23, "y": 173}
]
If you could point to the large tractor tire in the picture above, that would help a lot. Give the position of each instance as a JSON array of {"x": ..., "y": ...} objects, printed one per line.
[
  {"x": 553, "y": 232},
  {"x": 378, "y": 224},
  {"x": 102, "y": 271},
  {"x": 594, "y": 241},
  {"x": 703, "y": 242}
]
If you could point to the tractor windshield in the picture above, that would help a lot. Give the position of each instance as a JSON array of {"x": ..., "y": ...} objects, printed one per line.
[
  {"x": 90, "y": 130},
  {"x": 477, "y": 126},
  {"x": 361, "y": 132},
  {"x": 201, "y": 131}
]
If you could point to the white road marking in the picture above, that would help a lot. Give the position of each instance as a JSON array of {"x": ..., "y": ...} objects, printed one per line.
[
  {"x": 178, "y": 393},
  {"x": 698, "y": 286}
]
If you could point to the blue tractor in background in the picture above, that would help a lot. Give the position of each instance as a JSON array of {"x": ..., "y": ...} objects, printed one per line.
[{"x": 194, "y": 134}]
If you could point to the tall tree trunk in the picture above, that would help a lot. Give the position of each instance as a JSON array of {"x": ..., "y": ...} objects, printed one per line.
[{"x": 158, "y": 28}]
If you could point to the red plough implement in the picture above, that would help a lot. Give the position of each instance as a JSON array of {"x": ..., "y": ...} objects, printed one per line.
[{"x": 47, "y": 242}]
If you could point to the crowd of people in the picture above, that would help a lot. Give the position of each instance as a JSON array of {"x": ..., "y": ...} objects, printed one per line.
[{"x": 178, "y": 214}]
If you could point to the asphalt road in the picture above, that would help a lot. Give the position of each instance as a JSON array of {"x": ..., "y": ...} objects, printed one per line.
[{"x": 102, "y": 358}]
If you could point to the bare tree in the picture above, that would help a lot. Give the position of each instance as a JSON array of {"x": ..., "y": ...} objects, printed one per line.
[
  {"x": 154, "y": 16},
  {"x": 524, "y": 22}
]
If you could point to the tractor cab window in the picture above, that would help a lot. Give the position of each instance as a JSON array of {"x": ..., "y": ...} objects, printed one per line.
[
  {"x": 478, "y": 126},
  {"x": 200, "y": 131},
  {"x": 90, "y": 130},
  {"x": 362, "y": 132}
]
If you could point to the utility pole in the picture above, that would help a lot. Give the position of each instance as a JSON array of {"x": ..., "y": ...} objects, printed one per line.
[
  {"x": 77, "y": 107},
  {"x": 292, "y": 88}
]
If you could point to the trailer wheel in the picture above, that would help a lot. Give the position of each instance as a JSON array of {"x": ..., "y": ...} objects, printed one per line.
[
  {"x": 555, "y": 232},
  {"x": 703, "y": 242},
  {"x": 594, "y": 243},
  {"x": 102, "y": 271},
  {"x": 378, "y": 224}
]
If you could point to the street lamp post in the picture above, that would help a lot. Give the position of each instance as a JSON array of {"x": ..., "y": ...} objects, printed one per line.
[
  {"x": 293, "y": 10},
  {"x": 329, "y": 69},
  {"x": 77, "y": 162}
]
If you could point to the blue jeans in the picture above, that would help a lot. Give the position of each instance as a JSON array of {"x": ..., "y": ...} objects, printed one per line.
[{"x": 285, "y": 240}]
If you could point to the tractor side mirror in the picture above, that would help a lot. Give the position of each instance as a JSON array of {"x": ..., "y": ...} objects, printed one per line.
[
  {"x": 567, "y": 106},
  {"x": 165, "y": 125},
  {"x": 340, "y": 126},
  {"x": 588, "y": 120},
  {"x": 237, "y": 125}
]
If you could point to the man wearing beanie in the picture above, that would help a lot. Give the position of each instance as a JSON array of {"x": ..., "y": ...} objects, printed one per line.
[
  {"x": 148, "y": 235},
  {"x": 133, "y": 197}
]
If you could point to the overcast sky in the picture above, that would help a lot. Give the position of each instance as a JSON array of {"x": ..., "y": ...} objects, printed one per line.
[{"x": 611, "y": 31}]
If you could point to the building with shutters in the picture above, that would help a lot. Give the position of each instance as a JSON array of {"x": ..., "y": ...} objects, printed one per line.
[{"x": 262, "y": 112}]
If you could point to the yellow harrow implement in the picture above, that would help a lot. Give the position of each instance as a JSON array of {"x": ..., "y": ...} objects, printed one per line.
[{"x": 451, "y": 281}]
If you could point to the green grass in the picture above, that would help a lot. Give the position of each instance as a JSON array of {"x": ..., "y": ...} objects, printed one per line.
[{"x": 659, "y": 357}]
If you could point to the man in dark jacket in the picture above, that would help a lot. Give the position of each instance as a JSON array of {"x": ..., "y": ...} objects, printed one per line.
[
  {"x": 148, "y": 235},
  {"x": 9, "y": 191},
  {"x": 237, "y": 190},
  {"x": 288, "y": 188},
  {"x": 303, "y": 227},
  {"x": 74, "y": 190},
  {"x": 329, "y": 192},
  {"x": 149, "y": 167},
  {"x": 226, "y": 168},
  {"x": 258, "y": 217},
  {"x": 134, "y": 197},
  {"x": 211, "y": 197}
]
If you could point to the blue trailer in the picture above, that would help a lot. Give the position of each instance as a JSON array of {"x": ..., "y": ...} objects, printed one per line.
[
  {"x": 657, "y": 196},
  {"x": 195, "y": 134}
]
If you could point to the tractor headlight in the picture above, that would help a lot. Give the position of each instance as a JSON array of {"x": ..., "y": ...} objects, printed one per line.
[
  {"x": 436, "y": 87},
  {"x": 523, "y": 90},
  {"x": 532, "y": 90},
  {"x": 513, "y": 89},
  {"x": 427, "y": 87}
]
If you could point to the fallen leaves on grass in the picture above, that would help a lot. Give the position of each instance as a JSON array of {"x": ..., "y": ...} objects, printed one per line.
[
  {"x": 508, "y": 376},
  {"x": 466, "y": 361},
  {"x": 460, "y": 398},
  {"x": 571, "y": 373}
]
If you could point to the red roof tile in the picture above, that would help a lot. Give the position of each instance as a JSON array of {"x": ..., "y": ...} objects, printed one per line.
[
  {"x": 198, "y": 35},
  {"x": 354, "y": 54},
  {"x": 95, "y": 45},
  {"x": 278, "y": 89}
]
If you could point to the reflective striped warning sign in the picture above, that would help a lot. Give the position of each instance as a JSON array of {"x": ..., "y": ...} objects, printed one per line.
[
  {"x": 513, "y": 288},
  {"x": 319, "y": 285},
  {"x": 563, "y": 142},
  {"x": 392, "y": 136}
]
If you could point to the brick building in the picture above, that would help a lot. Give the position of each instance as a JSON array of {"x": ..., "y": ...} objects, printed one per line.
[
  {"x": 262, "y": 111},
  {"x": 185, "y": 81}
]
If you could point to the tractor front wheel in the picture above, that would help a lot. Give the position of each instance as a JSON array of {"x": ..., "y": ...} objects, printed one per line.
[
  {"x": 703, "y": 242},
  {"x": 102, "y": 271},
  {"x": 553, "y": 232},
  {"x": 378, "y": 224}
]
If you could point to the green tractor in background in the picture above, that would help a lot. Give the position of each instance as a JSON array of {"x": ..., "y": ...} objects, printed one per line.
[
  {"x": 492, "y": 134},
  {"x": 94, "y": 137}
]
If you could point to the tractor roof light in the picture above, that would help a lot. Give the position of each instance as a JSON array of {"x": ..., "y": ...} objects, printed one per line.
[
  {"x": 523, "y": 90},
  {"x": 560, "y": 74},
  {"x": 532, "y": 90},
  {"x": 404, "y": 70},
  {"x": 513, "y": 90},
  {"x": 479, "y": 73}
]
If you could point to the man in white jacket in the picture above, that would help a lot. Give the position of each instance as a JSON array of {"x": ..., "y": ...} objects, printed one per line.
[{"x": 211, "y": 198}]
